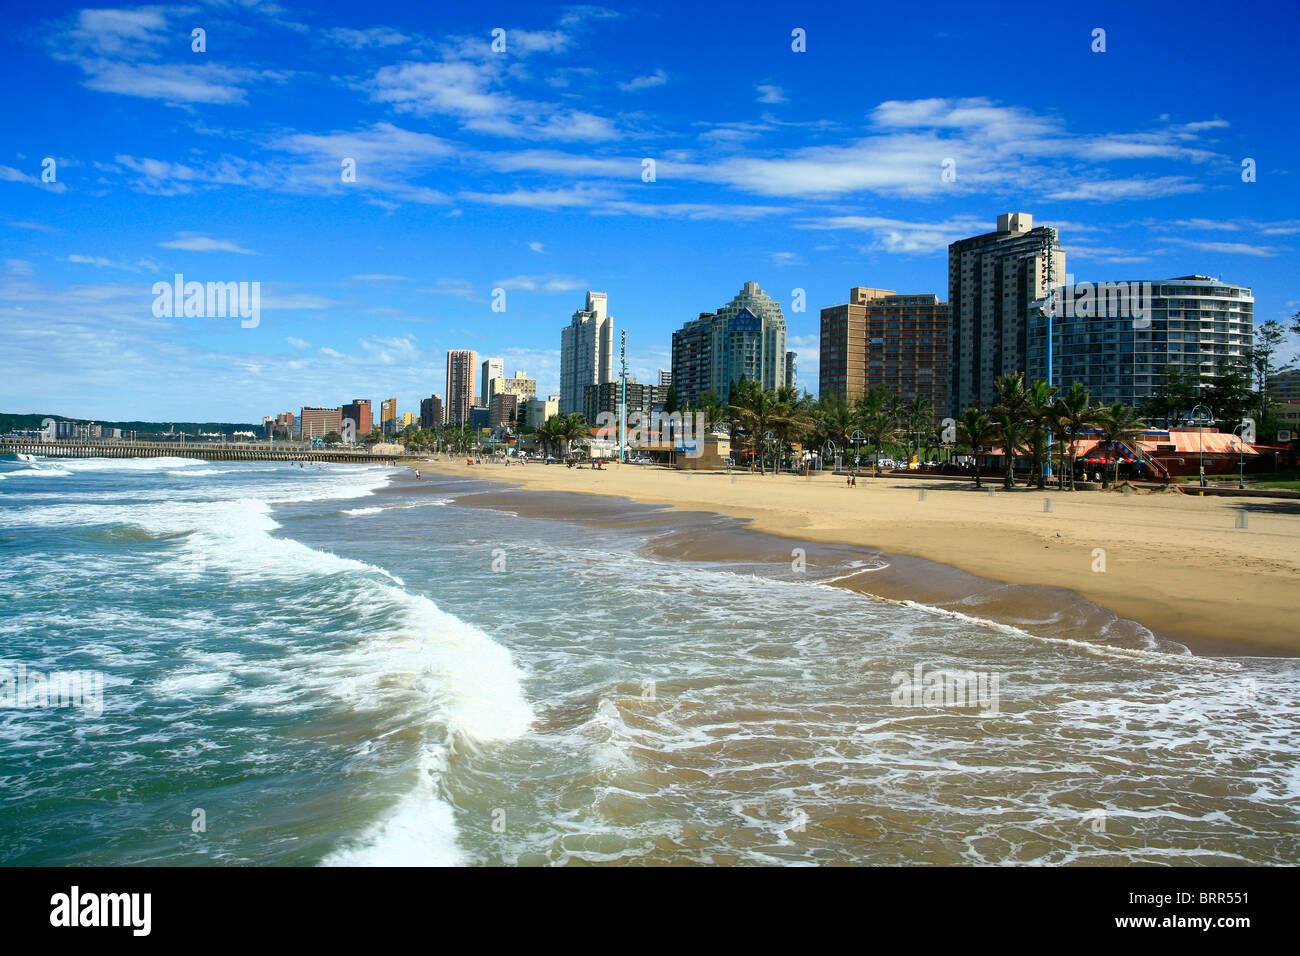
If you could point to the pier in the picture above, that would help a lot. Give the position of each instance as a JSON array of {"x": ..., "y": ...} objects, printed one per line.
[{"x": 208, "y": 451}]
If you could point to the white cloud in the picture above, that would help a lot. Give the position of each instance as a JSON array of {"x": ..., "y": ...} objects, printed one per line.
[
  {"x": 636, "y": 84},
  {"x": 1110, "y": 190},
  {"x": 101, "y": 262},
  {"x": 768, "y": 93},
  {"x": 903, "y": 237},
  {"x": 547, "y": 283},
  {"x": 192, "y": 242},
  {"x": 1229, "y": 248},
  {"x": 11, "y": 175}
]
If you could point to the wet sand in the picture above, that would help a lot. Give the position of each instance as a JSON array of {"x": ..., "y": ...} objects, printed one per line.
[{"x": 1175, "y": 564}]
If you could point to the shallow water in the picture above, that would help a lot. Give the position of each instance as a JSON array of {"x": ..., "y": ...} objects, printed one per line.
[{"x": 336, "y": 670}]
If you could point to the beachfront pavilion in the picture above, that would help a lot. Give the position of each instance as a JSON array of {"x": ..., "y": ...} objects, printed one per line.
[{"x": 1156, "y": 455}]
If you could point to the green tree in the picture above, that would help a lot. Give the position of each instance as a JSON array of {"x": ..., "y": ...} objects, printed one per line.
[
  {"x": 1269, "y": 337},
  {"x": 753, "y": 407},
  {"x": 1010, "y": 416},
  {"x": 833, "y": 420},
  {"x": 1039, "y": 398},
  {"x": 1173, "y": 399},
  {"x": 1118, "y": 423},
  {"x": 792, "y": 421},
  {"x": 1230, "y": 394},
  {"x": 1072, "y": 415},
  {"x": 711, "y": 408},
  {"x": 975, "y": 430}
]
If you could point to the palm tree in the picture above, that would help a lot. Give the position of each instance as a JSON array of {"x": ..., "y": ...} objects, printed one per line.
[
  {"x": 881, "y": 428},
  {"x": 877, "y": 415},
  {"x": 1118, "y": 423},
  {"x": 975, "y": 430},
  {"x": 792, "y": 420},
  {"x": 1038, "y": 401},
  {"x": 709, "y": 406},
  {"x": 1072, "y": 415},
  {"x": 834, "y": 420},
  {"x": 1010, "y": 418},
  {"x": 918, "y": 415},
  {"x": 572, "y": 427},
  {"x": 753, "y": 408},
  {"x": 551, "y": 432}
]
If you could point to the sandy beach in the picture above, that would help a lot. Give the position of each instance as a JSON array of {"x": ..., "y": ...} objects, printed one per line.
[{"x": 1177, "y": 564}]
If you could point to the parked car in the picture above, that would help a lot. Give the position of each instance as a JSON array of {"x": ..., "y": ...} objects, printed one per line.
[{"x": 886, "y": 464}]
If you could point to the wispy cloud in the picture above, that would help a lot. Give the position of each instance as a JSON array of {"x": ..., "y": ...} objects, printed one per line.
[
  {"x": 647, "y": 82},
  {"x": 547, "y": 283},
  {"x": 192, "y": 242}
]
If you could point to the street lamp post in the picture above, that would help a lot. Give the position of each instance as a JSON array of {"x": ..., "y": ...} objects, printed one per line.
[
  {"x": 1241, "y": 454},
  {"x": 1199, "y": 415},
  {"x": 857, "y": 438}
]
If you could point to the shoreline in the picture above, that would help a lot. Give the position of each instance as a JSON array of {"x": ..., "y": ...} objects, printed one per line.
[{"x": 1231, "y": 593}]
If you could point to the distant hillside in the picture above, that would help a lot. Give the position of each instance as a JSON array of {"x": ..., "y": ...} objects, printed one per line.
[{"x": 8, "y": 422}]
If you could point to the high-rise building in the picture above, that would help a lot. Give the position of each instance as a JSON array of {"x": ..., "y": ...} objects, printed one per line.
[
  {"x": 993, "y": 282},
  {"x": 790, "y": 367},
  {"x": 319, "y": 422},
  {"x": 586, "y": 352},
  {"x": 693, "y": 359},
  {"x": 492, "y": 368},
  {"x": 743, "y": 339},
  {"x": 665, "y": 377},
  {"x": 1120, "y": 339},
  {"x": 460, "y": 385},
  {"x": 605, "y": 398},
  {"x": 503, "y": 409},
  {"x": 533, "y": 412},
  {"x": 284, "y": 424},
  {"x": 431, "y": 411},
  {"x": 880, "y": 337},
  {"x": 358, "y": 412},
  {"x": 1285, "y": 386},
  {"x": 409, "y": 419},
  {"x": 388, "y": 415},
  {"x": 521, "y": 386}
]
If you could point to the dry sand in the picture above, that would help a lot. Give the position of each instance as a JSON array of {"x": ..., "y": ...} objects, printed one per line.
[{"x": 1176, "y": 563}]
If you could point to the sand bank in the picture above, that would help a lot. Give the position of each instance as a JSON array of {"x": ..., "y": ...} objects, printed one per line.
[{"x": 1178, "y": 564}]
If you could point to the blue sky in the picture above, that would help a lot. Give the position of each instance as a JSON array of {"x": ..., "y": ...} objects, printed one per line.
[{"x": 522, "y": 170}]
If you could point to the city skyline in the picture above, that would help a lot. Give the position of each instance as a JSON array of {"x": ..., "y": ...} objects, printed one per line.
[{"x": 520, "y": 171}]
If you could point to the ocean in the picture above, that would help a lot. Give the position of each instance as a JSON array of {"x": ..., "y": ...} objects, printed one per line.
[{"x": 346, "y": 666}]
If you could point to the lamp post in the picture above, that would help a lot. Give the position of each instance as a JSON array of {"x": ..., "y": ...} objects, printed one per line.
[
  {"x": 828, "y": 451},
  {"x": 1241, "y": 454},
  {"x": 1199, "y": 414},
  {"x": 857, "y": 438}
]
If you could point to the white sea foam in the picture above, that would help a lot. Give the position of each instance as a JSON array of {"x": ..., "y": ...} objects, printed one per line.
[{"x": 420, "y": 831}]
